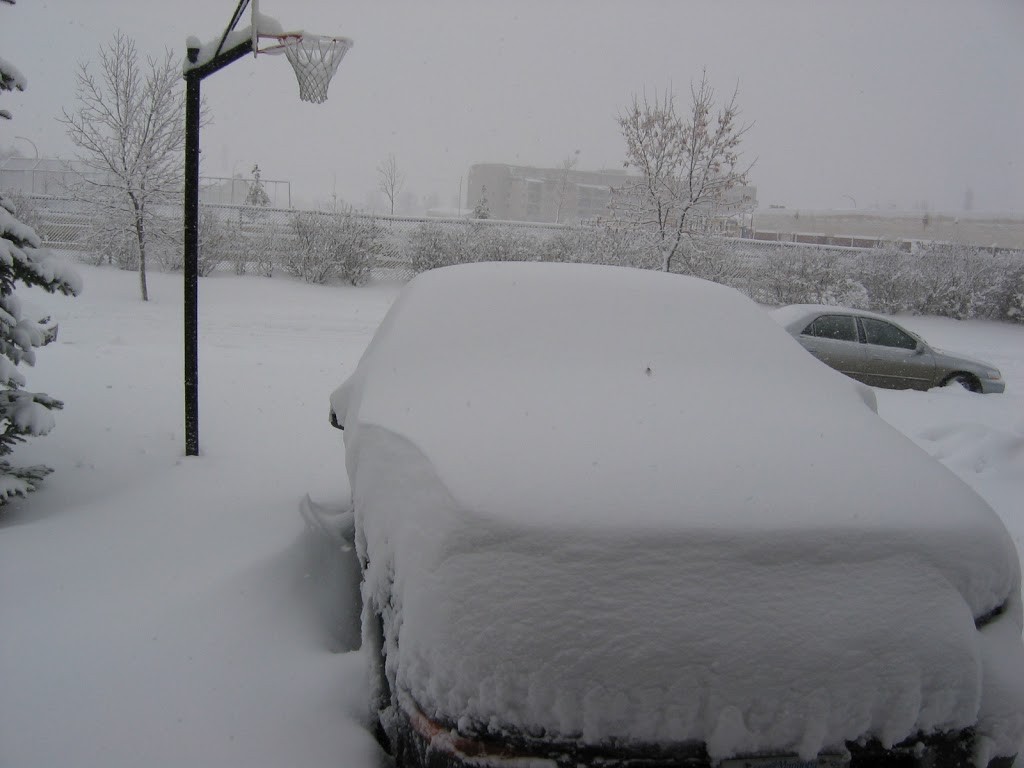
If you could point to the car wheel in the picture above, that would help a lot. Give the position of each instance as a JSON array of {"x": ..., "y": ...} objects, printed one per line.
[
  {"x": 965, "y": 380},
  {"x": 382, "y": 691}
]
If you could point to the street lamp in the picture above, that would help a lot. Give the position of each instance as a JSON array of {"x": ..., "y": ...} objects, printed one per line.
[
  {"x": 34, "y": 147},
  {"x": 35, "y": 167},
  {"x": 315, "y": 59}
]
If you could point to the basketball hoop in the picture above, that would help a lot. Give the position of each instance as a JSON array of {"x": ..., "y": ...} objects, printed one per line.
[{"x": 315, "y": 59}]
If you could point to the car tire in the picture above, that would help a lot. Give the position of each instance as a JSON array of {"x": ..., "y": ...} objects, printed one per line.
[{"x": 965, "y": 380}]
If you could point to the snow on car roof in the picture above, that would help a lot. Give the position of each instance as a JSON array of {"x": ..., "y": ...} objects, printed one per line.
[
  {"x": 611, "y": 503},
  {"x": 602, "y": 383}
]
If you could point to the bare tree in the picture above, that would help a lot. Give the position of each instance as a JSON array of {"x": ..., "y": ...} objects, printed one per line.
[
  {"x": 565, "y": 183},
  {"x": 129, "y": 126},
  {"x": 687, "y": 163},
  {"x": 390, "y": 180}
]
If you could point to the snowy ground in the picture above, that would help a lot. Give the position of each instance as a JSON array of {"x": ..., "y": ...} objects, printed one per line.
[{"x": 159, "y": 610}]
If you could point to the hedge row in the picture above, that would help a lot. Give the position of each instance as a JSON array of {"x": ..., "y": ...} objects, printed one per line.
[{"x": 935, "y": 279}]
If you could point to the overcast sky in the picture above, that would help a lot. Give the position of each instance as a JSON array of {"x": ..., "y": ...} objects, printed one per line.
[{"x": 876, "y": 103}]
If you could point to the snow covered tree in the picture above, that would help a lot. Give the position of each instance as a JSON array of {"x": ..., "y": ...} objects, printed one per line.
[
  {"x": 390, "y": 180},
  {"x": 257, "y": 194},
  {"x": 481, "y": 210},
  {"x": 10, "y": 78},
  {"x": 129, "y": 127},
  {"x": 565, "y": 183},
  {"x": 22, "y": 413},
  {"x": 686, "y": 163}
]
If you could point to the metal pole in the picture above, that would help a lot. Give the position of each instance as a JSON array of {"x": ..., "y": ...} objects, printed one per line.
[
  {"x": 191, "y": 327},
  {"x": 193, "y": 77}
]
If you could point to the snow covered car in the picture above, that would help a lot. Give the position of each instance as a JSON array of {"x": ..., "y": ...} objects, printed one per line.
[
  {"x": 873, "y": 349},
  {"x": 617, "y": 517}
]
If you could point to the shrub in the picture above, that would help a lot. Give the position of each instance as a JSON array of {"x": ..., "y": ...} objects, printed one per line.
[
  {"x": 331, "y": 245},
  {"x": 954, "y": 281},
  {"x": 30, "y": 211},
  {"x": 108, "y": 241},
  {"x": 501, "y": 243},
  {"x": 216, "y": 240},
  {"x": 803, "y": 275},
  {"x": 434, "y": 245},
  {"x": 889, "y": 277},
  {"x": 711, "y": 258},
  {"x": 601, "y": 244},
  {"x": 1010, "y": 295}
]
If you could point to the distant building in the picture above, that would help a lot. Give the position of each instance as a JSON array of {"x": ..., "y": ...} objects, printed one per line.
[
  {"x": 524, "y": 193},
  {"x": 557, "y": 195}
]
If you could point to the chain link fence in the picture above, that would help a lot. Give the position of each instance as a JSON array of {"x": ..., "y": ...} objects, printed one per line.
[{"x": 321, "y": 246}]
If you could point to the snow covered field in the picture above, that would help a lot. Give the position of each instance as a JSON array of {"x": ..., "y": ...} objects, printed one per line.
[{"x": 159, "y": 610}]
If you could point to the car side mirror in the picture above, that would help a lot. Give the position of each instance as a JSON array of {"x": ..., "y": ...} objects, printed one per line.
[
  {"x": 920, "y": 348},
  {"x": 334, "y": 421}
]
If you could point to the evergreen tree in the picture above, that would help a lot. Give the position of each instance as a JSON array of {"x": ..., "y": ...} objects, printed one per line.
[
  {"x": 481, "y": 210},
  {"x": 23, "y": 413},
  {"x": 257, "y": 195}
]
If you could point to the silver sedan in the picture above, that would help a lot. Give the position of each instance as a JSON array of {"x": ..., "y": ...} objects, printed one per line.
[{"x": 873, "y": 349}]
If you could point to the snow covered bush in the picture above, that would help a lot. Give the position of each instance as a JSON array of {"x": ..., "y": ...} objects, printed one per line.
[
  {"x": 237, "y": 249},
  {"x": 603, "y": 244},
  {"x": 30, "y": 211},
  {"x": 332, "y": 245},
  {"x": 711, "y": 258},
  {"x": 501, "y": 243},
  {"x": 245, "y": 240},
  {"x": 954, "y": 281},
  {"x": 804, "y": 275},
  {"x": 215, "y": 242},
  {"x": 260, "y": 257},
  {"x": 889, "y": 276},
  {"x": 434, "y": 245},
  {"x": 1010, "y": 296},
  {"x": 110, "y": 238},
  {"x": 107, "y": 241}
]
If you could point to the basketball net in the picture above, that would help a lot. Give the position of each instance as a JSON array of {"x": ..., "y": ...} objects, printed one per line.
[{"x": 315, "y": 59}]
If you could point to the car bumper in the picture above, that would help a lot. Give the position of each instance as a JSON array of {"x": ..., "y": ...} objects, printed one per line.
[
  {"x": 424, "y": 743},
  {"x": 992, "y": 387}
]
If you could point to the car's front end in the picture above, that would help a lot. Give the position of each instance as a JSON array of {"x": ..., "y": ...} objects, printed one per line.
[
  {"x": 779, "y": 648},
  {"x": 424, "y": 742},
  {"x": 975, "y": 375}
]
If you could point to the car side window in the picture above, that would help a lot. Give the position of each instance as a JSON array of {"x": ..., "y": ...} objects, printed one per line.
[
  {"x": 838, "y": 327},
  {"x": 886, "y": 334}
]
